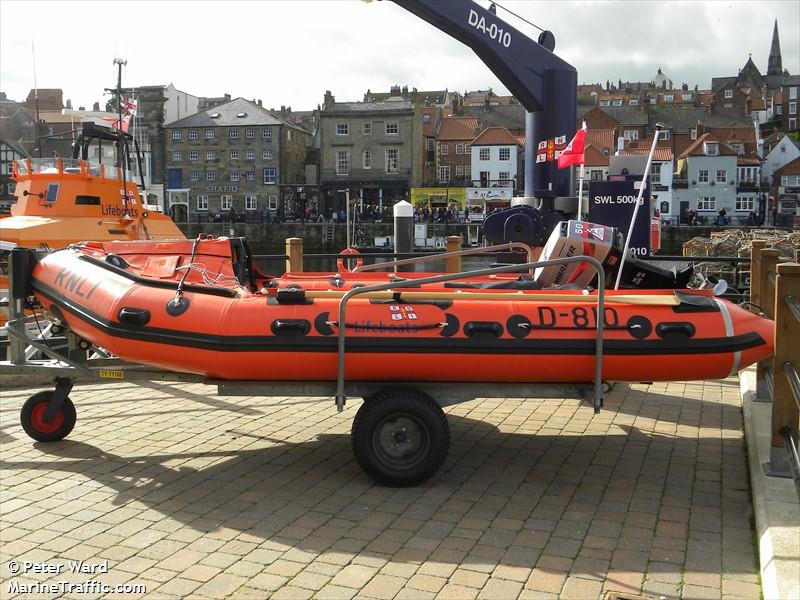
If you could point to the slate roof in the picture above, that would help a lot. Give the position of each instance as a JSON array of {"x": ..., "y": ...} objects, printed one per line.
[
  {"x": 256, "y": 115},
  {"x": 625, "y": 115},
  {"x": 511, "y": 116},
  {"x": 683, "y": 120},
  {"x": 388, "y": 106}
]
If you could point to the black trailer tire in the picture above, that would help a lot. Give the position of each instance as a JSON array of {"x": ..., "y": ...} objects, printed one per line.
[
  {"x": 400, "y": 436},
  {"x": 32, "y": 418}
]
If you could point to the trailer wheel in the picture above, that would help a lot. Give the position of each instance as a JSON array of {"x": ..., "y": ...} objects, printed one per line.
[
  {"x": 400, "y": 436},
  {"x": 32, "y": 418}
]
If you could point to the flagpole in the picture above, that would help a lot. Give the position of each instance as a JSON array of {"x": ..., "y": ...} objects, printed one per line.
[
  {"x": 580, "y": 190},
  {"x": 638, "y": 202}
]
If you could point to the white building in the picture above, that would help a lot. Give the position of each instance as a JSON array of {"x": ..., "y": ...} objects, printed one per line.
[
  {"x": 706, "y": 181},
  {"x": 784, "y": 152},
  {"x": 496, "y": 158}
]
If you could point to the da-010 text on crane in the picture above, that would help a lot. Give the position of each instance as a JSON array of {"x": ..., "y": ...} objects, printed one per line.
[{"x": 492, "y": 30}]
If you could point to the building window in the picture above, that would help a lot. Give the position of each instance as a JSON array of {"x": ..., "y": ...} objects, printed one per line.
[
  {"x": 459, "y": 148},
  {"x": 664, "y": 134},
  {"x": 193, "y": 135},
  {"x": 738, "y": 148},
  {"x": 631, "y": 134},
  {"x": 633, "y": 102},
  {"x": 233, "y": 134},
  {"x": 211, "y": 175},
  {"x": 779, "y": 109},
  {"x": 745, "y": 202},
  {"x": 712, "y": 149},
  {"x": 693, "y": 134},
  {"x": 687, "y": 97},
  {"x": 266, "y": 134},
  {"x": 194, "y": 155},
  {"x": 366, "y": 159},
  {"x": 194, "y": 175},
  {"x": 605, "y": 102},
  {"x": 225, "y": 202},
  {"x": 342, "y": 129},
  {"x": 792, "y": 124},
  {"x": 392, "y": 129},
  {"x": 209, "y": 134},
  {"x": 250, "y": 133},
  {"x": 251, "y": 175},
  {"x": 792, "y": 93},
  {"x": 176, "y": 155},
  {"x": 366, "y": 128},
  {"x": 728, "y": 94},
  {"x": 251, "y": 202},
  {"x": 707, "y": 203},
  {"x": 784, "y": 180},
  {"x": 202, "y": 203},
  {"x": 266, "y": 154},
  {"x": 392, "y": 158},
  {"x": 272, "y": 202},
  {"x": 505, "y": 154},
  {"x": 467, "y": 148},
  {"x": 269, "y": 175},
  {"x": 250, "y": 154},
  {"x": 211, "y": 154},
  {"x": 176, "y": 134},
  {"x": 484, "y": 153},
  {"x": 504, "y": 177},
  {"x": 792, "y": 108},
  {"x": 668, "y": 97},
  {"x": 444, "y": 173},
  {"x": 617, "y": 102},
  {"x": 655, "y": 173},
  {"x": 234, "y": 175},
  {"x": 722, "y": 175},
  {"x": 459, "y": 170},
  {"x": 342, "y": 162},
  {"x": 702, "y": 176},
  {"x": 444, "y": 149},
  {"x": 234, "y": 155}
]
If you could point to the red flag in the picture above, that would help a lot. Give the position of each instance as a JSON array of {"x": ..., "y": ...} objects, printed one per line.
[
  {"x": 115, "y": 123},
  {"x": 573, "y": 153}
]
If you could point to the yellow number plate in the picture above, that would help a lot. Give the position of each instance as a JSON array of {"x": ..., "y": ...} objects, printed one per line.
[{"x": 106, "y": 374}]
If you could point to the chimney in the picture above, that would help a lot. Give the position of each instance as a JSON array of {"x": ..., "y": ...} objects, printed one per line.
[
  {"x": 227, "y": 97},
  {"x": 259, "y": 101},
  {"x": 69, "y": 104},
  {"x": 329, "y": 99},
  {"x": 96, "y": 107},
  {"x": 395, "y": 90},
  {"x": 405, "y": 91},
  {"x": 81, "y": 108}
]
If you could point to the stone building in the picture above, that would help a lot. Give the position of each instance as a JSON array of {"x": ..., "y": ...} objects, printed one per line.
[
  {"x": 373, "y": 149},
  {"x": 232, "y": 161}
]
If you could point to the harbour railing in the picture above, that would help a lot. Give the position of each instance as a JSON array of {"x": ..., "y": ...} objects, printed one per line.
[{"x": 775, "y": 291}]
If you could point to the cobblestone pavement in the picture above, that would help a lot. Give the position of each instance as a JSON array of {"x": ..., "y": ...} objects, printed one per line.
[{"x": 192, "y": 494}]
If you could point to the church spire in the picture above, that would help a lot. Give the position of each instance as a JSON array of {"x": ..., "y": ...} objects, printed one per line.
[{"x": 774, "y": 64}]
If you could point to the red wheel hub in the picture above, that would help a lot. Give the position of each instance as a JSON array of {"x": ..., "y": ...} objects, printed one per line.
[{"x": 37, "y": 419}]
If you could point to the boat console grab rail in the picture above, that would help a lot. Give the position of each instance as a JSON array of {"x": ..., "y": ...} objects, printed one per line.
[
  {"x": 593, "y": 262},
  {"x": 63, "y": 166},
  {"x": 444, "y": 255}
]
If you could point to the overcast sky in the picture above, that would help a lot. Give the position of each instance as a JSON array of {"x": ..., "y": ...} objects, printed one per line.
[{"x": 290, "y": 51}]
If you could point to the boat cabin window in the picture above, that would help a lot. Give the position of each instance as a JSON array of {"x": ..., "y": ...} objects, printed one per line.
[
  {"x": 52, "y": 193},
  {"x": 88, "y": 200}
]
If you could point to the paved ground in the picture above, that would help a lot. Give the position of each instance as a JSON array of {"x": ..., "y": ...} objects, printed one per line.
[{"x": 193, "y": 494}]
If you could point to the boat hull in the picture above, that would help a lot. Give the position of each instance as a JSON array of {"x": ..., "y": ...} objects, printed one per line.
[{"x": 230, "y": 333}]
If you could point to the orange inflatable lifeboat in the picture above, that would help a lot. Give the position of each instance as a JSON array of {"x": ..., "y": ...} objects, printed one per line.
[{"x": 199, "y": 307}]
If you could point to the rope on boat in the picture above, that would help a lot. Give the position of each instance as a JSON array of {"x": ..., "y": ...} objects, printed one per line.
[{"x": 208, "y": 277}]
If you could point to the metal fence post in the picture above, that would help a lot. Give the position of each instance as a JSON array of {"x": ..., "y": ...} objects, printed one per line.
[{"x": 785, "y": 413}]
